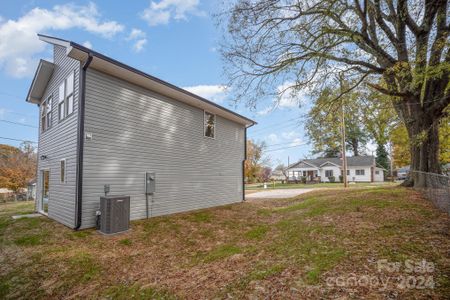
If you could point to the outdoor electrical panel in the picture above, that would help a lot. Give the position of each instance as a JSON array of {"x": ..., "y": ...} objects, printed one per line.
[{"x": 150, "y": 180}]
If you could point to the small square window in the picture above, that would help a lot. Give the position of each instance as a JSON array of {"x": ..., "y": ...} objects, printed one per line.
[{"x": 209, "y": 124}]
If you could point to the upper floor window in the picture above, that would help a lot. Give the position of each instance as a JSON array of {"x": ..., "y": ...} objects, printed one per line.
[
  {"x": 209, "y": 124},
  {"x": 46, "y": 114},
  {"x": 65, "y": 103},
  {"x": 359, "y": 172}
]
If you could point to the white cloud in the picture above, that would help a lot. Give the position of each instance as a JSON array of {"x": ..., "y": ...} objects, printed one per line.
[
  {"x": 272, "y": 138},
  {"x": 288, "y": 97},
  {"x": 139, "y": 38},
  {"x": 163, "y": 11},
  {"x": 139, "y": 45},
  {"x": 215, "y": 93},
  {"x": 87, "y": 44},
  {"x": 290, "y": 135},
  {"x": 136, "y": 34},
  {"x": 296, "y": 142},
  {"x": 19, "y": 43}
]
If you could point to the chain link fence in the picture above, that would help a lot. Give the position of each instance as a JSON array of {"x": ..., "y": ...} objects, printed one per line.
[{"x": 437, "y": 189}]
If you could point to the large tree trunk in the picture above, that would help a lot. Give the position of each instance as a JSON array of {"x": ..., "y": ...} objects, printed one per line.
[{"x": 424, "y": 143}]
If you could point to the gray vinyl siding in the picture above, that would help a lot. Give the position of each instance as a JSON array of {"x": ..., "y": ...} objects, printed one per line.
[
  {"x": 60, "y": 142},
  {"x": 135, "y": 130}
]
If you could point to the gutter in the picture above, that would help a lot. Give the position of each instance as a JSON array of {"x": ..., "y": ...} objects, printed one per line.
[
  {"x": 243, "y": 162},
  {"x": 80, "y": 143}
]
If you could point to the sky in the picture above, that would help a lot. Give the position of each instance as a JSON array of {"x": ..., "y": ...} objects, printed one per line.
[{"x": 175, "y": 40}]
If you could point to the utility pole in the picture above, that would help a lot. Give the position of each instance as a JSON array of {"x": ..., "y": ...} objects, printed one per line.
[
  {"x": 391, "y": 162},
  {"x": 344, "y": 157}
]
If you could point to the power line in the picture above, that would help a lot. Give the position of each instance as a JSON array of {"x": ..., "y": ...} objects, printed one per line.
[
  {"x": 18, "y": 140},
  {"x": 271, "y": 150},
  {"x": 17, "y": 123}
]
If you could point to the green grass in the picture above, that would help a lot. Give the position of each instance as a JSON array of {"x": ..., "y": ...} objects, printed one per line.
[
  {"x": 316, "y": 185},
  {"x": 85, "y": 266},
  {"x": 258, "y": 249},
  {"x": 30, "y": 240},
  {"x": 201, "y": 217},
  {"x": 218, "y": 253},
  {"x": 258, "y": 232},
  {"x": 126, "y": 242},
  {"x": 125, "y": 292}
]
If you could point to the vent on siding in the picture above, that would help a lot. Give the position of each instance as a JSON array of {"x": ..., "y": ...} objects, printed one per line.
[{"x": 115, "y": 214}]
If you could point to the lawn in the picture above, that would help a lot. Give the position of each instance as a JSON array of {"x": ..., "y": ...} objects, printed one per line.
[
  {"x": 323, "y": 185},
  {"x": 292, "y": 248}
]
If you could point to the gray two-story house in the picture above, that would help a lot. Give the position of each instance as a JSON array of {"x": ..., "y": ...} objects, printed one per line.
[{"x": 104, "y": 124}]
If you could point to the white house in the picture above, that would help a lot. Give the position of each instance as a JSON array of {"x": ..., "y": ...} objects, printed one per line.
[{"x": 359, "y": 169}]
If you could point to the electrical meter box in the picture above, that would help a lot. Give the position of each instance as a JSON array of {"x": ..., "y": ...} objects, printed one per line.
[{"x": 150, "y": 180}]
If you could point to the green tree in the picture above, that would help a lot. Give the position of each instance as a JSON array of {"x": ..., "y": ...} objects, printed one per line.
[
  {"x": 400, "y": 48},
  {"x": 382, "y": 157},
  {"x": 324, "y": 124}
]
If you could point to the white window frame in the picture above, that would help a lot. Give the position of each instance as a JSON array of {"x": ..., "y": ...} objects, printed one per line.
[
  {"x": 64, "y": 109},
  {"x": 204, "y": 125},
  {"x": 43, "y": 116},
  {"x": 49, "y": 113},
  {"x": 61, "y": 174},
  {"x": 360, "y": 172},
  {"x": 332, "y": 173}
]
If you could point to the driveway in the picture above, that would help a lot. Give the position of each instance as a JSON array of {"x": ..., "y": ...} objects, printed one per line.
[{"x": 277, "y": 194}]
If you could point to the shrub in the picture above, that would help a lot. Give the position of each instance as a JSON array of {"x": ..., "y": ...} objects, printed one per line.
[
  {"x": 332, "y": 179},
  {"x": 303, "y": 179},
  {"x": 341, "y": 178}
]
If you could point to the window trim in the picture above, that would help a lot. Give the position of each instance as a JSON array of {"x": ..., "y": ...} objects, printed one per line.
[
  {"x": 332, "y": 173},
  {"x": 204, "y": 125},
  {"x": 360, "y": 172},
  {"x": 65, "y": 171}
]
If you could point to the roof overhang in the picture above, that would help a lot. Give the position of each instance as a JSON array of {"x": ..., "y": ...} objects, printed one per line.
[
  {"x": 39, "y": 84},
  {"x": 120, "y": 70},
  {"x": 294, "y": 166},
  {"x": 329, "y": 163}
]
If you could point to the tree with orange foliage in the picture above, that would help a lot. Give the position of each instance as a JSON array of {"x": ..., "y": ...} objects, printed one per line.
[{"x": 17, "y": 166}]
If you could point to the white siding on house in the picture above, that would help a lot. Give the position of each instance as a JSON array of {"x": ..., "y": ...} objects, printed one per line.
[
  {"x": 136, "y": 131},
  {"x": 60, "y": 142},
  {"x": 336, "y": 173},
  {"x": 380, "y": 176},
  {"x": 359, "y": 178}
]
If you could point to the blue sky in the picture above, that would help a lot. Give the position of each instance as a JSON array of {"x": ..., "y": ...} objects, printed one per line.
[{"x": 175, "y": 40}]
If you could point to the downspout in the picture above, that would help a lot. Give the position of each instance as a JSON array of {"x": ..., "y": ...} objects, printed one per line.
[
  {"x": 243, "y": 164},
  {"x": 80, "y": 143}
]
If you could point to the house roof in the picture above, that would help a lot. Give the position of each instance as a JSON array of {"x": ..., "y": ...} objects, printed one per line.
[
  {"x": 41, "y": 78},
  {"x": 355, "y": 161},
  {"x": 118, "y": 69}
]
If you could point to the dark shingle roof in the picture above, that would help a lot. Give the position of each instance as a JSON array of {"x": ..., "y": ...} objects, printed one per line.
[{"x": 355, "y": 161}]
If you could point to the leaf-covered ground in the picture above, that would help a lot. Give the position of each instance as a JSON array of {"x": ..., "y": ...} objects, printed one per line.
[{"x": 323, "y": 244}]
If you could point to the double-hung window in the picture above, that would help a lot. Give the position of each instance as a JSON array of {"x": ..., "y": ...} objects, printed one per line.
[
  {"x": 46, "y": 114},
  {"x": 65, "y": 103},
  {"x": 209, "y": 124},
  {"x": 359, "y": 172},
  {"x": 328, "y": 173}
]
